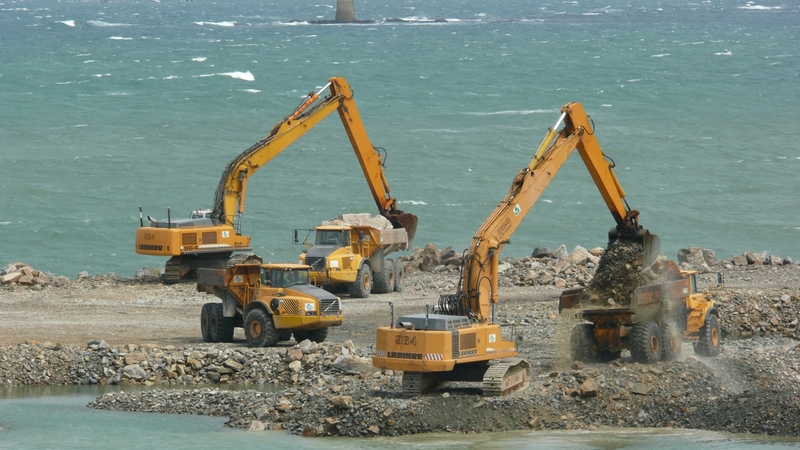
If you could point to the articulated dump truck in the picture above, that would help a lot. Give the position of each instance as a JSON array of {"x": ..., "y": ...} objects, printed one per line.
[
  {"x": 271, "y": 302},
  {"x": 667, "y": 309},
  {"x": 349, "y": 253}
]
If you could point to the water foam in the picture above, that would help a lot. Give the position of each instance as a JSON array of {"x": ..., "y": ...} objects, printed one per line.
[{"x": 69, "y": 23}]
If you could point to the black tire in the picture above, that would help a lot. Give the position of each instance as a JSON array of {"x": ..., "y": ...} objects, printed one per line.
[
  {"x": 220, "y": 327},
  {"x": 709, "y": 340},
  {"x": 582, "y": 344},
  {"x": 673, "y": 339},
  {"x": 384, "y": 279},
  {"x": 399, "y": 275},
  {"x": 205, "y": 322},
  {"x": 259, "y": 330},
  {"x": 363, "y": 284},
  {"x": 646, "y": 342},
  {"x": 284, "y": 336},
  {"x": 317, "y": 335}
]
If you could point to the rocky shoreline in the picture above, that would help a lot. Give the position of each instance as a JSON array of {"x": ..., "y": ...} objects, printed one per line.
[{"x": 331, "y": 389}]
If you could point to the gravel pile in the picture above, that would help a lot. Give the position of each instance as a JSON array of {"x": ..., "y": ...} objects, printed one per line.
[{"x": 331, "y": 389}]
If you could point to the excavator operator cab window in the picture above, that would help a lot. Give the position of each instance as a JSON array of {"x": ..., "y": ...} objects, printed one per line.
[{"x": 693, "y": 281}]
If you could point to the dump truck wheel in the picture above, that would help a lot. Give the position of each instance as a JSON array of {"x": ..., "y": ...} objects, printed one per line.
[
  {"x": 646, "y": 342},
  {"x": 399, "y": 275},
  {"x": 671, "y": 347},
  {"x": 363, "y": 284},
  {"x": 384, "y": 279},
  {"x": 582, "y": 344},
  {"x": 220, "y": 327},
  {"x": 708, "y": 342},
  {"x": 259, "y": 329},
  {"x": 205, "y": 322},
  {"x": 284, "y": 336},
  {"x": 317, "y": 335}
]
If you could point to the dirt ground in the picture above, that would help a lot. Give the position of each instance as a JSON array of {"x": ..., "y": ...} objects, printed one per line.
[{"x": 154, "y": 313}]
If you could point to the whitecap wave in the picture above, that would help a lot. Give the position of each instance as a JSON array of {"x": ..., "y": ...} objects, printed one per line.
[
  {"x": 412, "y": 202},
  {"x": 660, "y": 55},
  {"x": 69, "y": 23},
  {"x": 120, "y": 38},
  {"x": 100, "y": 23},
  {"x": 512, "y": 112},
  {"x": 725, "y": 53},
  {"x": 754, "y": 7},
  {"x": 199, "y": 59},
  {"x": 217, "y": 24},
  {"x": 246, "y": 76},
  {"x": 252, "y": 91}
]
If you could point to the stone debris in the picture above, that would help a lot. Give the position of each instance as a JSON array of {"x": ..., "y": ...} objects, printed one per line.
[{"x": 331, "y": 389}]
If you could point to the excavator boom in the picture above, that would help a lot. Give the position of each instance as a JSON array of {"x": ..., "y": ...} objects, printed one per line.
[
  {"x": 209, "y": 242},
  {"x": 461, "y": 341},
  {"x": 230, "y": 195}
]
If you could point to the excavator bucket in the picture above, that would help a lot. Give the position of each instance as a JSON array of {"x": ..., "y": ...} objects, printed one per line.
[
  {"x": 650, "y": 242},
  {"x": 405, "y": 220}
]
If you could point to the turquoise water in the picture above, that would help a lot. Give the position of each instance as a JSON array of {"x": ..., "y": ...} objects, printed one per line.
[
  {"x": 108, "y": 106},
  {"x": 63, "y": 421}
]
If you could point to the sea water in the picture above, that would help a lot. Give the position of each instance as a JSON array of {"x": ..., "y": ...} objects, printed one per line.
[
  {"x": 51, "y": 418},
  {"x": 108, "y": 106}
]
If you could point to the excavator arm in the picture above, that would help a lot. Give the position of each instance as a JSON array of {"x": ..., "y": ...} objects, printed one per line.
[
  {"x": 479, "y": 281},
  {"x": 229, "y": 198}
]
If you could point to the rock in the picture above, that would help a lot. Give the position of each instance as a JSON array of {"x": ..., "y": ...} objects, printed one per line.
[
  {"x": 775, "y": 260},
  {"x": 11, "y": 277},
  {"x": 341, "y": 401},
  {"x": 257, "y": 425},
  {"x": 693, "y": 256},
  {"x": 431, "y": 257},
  {"x": 578, "y": 256},
  {"x": 641, "y": 389},
  {"x": 540, "y": 252},
  {"x": 134, "y": 372},
  {"x": 233, "y": 365},
  {"x": 589, "y": 388},
  {"x": 560, "y": 253},
  {"x": 296, "y": 366},
  {"x": 135, "y": 358},
  {"x": 756, "y": 258},
  {"x": 739, "y": 260},
  {"x": 351, "y": 365}
]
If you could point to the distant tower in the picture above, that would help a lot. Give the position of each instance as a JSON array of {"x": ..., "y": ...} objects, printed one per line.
[{"x": 345, "y": 11}]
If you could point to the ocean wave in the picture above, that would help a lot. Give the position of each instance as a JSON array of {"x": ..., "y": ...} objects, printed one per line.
[
  {"x": 512, "y": 113},
  {"x": 199, "y": 59},
  {"x": 252, "y": 91},
  {"x": 217, "y": 24},
  {"x": 412, "y": 202},
  {"x": 99, "y": 23},
  {"x": 725, "y": 53},
  {"x": 120, "y": 38},
  {"x": 660, "y": 55},
  {"x": 754, "y": 7},
  {"x": 246, "y": 76},
  {"x": 69, "y": 23}
]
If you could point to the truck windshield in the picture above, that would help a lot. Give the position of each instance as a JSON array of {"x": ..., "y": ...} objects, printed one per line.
[
  {"x": 288, "y": 277},
  {"x": 331, "y": 237}
]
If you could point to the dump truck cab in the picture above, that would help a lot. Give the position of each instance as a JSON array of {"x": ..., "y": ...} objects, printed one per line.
[
  {"x": 270, "y": 301},
  {"x": 353, "y": 257}
]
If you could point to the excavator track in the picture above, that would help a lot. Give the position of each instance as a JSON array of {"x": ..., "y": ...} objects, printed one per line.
[
  {"x": 416, "y": 383},
  {"x": 172, "y": 271},
  {"x": 506, "y": 376}
]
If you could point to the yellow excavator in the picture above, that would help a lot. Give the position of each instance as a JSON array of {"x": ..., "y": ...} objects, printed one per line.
[
  {"x": 208, "y": 239},
  {"x": 460, "y": 340}
]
